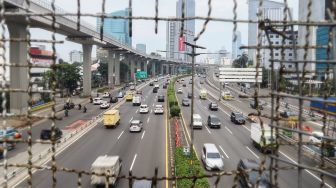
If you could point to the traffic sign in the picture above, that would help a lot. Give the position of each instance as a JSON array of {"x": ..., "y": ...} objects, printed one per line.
[
  {"x": 141, "y": 74},
  {"x": 244, "y": 75}
]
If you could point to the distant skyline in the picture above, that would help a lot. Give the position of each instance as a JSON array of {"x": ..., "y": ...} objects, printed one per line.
[{"x": 217, "y": 34}]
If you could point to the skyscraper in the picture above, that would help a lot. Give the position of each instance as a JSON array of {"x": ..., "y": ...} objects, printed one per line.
[
  {"x": 117, "y": 28},
  {"x": 174, "y": 31},
  {"x": 236, "y": 45}
]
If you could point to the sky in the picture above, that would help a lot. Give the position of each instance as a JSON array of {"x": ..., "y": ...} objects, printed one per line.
[{"x": 216, "y": 36}]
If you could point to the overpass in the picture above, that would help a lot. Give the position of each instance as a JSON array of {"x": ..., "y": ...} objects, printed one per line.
[{"x": 76, "y": 31}]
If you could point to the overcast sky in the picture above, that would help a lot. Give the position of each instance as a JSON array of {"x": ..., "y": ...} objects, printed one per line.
[{"x": 217, "y": 35}]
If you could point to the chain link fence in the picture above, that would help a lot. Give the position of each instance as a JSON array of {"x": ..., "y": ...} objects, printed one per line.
[{"x": 267, "y": 28}]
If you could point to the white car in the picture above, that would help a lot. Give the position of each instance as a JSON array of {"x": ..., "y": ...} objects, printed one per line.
[
  {"x": 135, "y": 126},
  {"x": 156, "y": 80},
  {"x": 143, "y": 109},
  {"x": 106, "y": 95},
  {"x": 158, "y": 109},
  {"x": 105, "y": 105},
  {"x": 317, "y": 137},
  {"x": 97, "y": 101},
  {"x": 132, "y": 87},
  {"x": 179, "y": 90}
]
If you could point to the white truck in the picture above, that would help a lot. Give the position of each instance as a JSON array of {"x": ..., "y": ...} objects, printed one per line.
[
  {"x": 257, "y": 135},
  {"x": 106, "y": 165}
]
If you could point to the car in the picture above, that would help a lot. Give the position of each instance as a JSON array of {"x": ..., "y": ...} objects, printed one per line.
[
  {"x": 113, "y": 99},
  {"x": 139, "y": 92},
  {"x": 288, "y": 114},
  {"x": 105, "y": 105},
  {"x": 155, "y": 90},
  {"x": 197, "y": 122},
  {"x": 136, "y": 101},
  {"x": 135, "y": 126},
  {"x": 46, "y": 134},
  {"x": 132, "y": 87},
  {"x": 211, "y": 157},
  {"x": 254, "y": 105},
  {"x": 97, "y": 101},
  {"x": 190, "y": 82},
  {"x": 184, "y": 85},
  {"x": 185, "y": 102},
  {"x": 237, "y": 118},
  {"x": 189, "y": 95},
  {"x": 151, "y": 84},
  {"x": 142, "y": 184},
  {"x": 144, "y": 109},
  {"x": 164, "y": 86},
  {"x": 179, "y": 90},
  {"x": 213, "y": 106},
  {"x": 248, "y": 178},
  {"x": 106, "y": 95},
  {"x": 158, "y": 109},
  {"x": 157, "y": 86},
  {"x": 182, "y": 79},
  {"x": 160, "y": 98},
  {"x": 316, "y": 138},
  {"x": 201, "y": 82},
  {"x": 214, "y": 121},
  {"x": 9, "y": 133},
  {"x": 69, "y": 105},
  {"x": 156, "y": 80},
  {"x": 121, "y": 94}
]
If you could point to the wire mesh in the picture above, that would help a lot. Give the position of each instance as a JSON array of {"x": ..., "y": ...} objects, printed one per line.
[{"x": 324, "y": 167}]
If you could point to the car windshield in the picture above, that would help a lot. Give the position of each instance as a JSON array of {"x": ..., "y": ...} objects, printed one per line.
[
  {"x": 239, "y": 116},
  {"x": 197, "y": 120},
  {"x": 214, "y": 104},
  {"x": 213, "y": 155},
  {"x": 215, "y": 120},
  {"x": 134, "y": 124},
  {"x": 143, "y": 106},
  {"x": 254, "y": 175}
]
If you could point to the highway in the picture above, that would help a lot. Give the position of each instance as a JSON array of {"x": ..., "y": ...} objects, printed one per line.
[
  {"x": 233, "y": 141},
  {"x": 140, "y": 152}
]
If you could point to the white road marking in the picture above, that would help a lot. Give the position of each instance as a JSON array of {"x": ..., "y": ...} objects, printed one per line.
[
  {"x": 131, "y": 119},
  {"x": 228, "y": 130},
  {"x": 220, "y": 147},
  {"x": 246, "y": 128},
  {"x": 120, "y": 134},
  {"x": 224, "y": 112},
  {"x": 151, "y": 110},
  {"x": 148, "y": 119},
  {"x": 318, "y": 124},
  {"x": 135, "y": 156},
  {"x": 309, "y": 172},
  {"x": 207, "y": 129},
  {"x": 153, "y": 105},
  {"x": 252, "y": 152},
  {"x": 143, "y": 134},
  {"x": 136, "y": 111}
]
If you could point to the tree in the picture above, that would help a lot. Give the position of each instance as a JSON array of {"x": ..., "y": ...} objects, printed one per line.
[
  {"x": 241, "y": 61},
  {"x": 103, "y": 69}
]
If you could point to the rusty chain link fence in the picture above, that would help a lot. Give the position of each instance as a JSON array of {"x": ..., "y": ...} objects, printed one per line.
[{"x": 285, "y": 29}]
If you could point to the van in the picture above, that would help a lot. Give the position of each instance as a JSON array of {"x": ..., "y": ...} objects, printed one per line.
[
  {"x": 203, "y": 94},
  {"x": 197, "y": 122},
  {"x": 136, "y": 101},
  {"x": 211, "y": 157},
  {"x": 111, "y": 118}
]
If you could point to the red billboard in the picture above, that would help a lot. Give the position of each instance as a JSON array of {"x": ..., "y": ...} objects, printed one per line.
[{"x": 181, "y": 44}]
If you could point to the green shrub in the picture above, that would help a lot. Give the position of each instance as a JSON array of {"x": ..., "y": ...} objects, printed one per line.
[
  {"x": 175, "y": 111},
  {"x": 188, "y": 166}
]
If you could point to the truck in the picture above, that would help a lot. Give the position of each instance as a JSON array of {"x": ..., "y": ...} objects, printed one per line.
[
  {"x": 111, "y": 118},
  {"x": 203, "y": 94},
  {"x": 105, "y": 166},
  {"x": 264, "y": 145},
  {"x": 319, "y": 106}
]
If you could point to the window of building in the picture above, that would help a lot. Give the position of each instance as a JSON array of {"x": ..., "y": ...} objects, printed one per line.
[
  {"x": 276, "y": 54},
  {"x": 276, "y": 36},
  {"x": 271, "y": 36},
  {"x": 276, "y": 42},
  {"x": 289, "y": 66},
  {"x": 290, "y": 54},
  {"x": 271, "y": 42},
  {"x": 290, "y": 42}
]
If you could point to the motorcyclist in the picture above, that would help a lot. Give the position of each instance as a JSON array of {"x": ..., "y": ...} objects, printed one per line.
[
  {"x": 84, "y": 109},
  {"x": 66, "y": 112},
  {"x": 79, "y": 106},
  {"x": 91, "y": 100}
]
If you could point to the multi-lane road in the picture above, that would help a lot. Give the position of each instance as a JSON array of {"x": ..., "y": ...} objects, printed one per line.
[{"x": 234, "y": 141}]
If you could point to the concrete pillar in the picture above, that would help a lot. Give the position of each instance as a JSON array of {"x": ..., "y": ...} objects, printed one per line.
[
  {"x": 145, "y": 66},
  {"x": 133, "y": 68},
  {"x": 87, "y": 62},
  {"x": 18, "y": 75},
  {"x": 110, "y": 68},
  {"x": 117, "y": 69},
  {"x": 161, "y": 69},
  {"x": 153, "y": 69}
]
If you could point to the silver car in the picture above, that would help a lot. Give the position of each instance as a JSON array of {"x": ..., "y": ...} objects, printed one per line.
[{"x": 211, "y": 157}]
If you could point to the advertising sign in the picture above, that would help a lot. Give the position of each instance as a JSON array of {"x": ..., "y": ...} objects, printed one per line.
[{"x": 181, "y": 44}]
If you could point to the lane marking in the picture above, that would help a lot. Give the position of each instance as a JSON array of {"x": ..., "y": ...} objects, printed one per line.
[
  {"x": 120, "y": 134},
  {"x": 207, "y": 129},
  {"x": 143, "y": 134},
  {"x": 136, "y": 111},
  {"x": 220, "y": 147},
  {"x": 247, "y": 128},
  {"x": 131, "y": 119},
  {"x": 151, "y": 110},
  {"x": 135, "y": 156},
  {"x": 166, "y": 121},
  {"x": 228, "y": 130},
  {"x": 252, "y": 152},
  {"x": 148, "y": 119},
  {"x": 309, "y": 172}
]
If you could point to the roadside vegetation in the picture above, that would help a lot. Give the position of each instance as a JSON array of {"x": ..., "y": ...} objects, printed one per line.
[{"x": 172, "y": 100}]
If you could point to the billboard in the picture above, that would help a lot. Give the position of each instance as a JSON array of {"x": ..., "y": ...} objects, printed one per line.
[
  {"x": 141, "y": 75},
  {"x": 244, "y": 75},
  {"x": 181, "y": 44}
]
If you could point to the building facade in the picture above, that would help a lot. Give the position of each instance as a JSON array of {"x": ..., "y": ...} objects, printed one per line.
[
  {"x": 141, "y": 47},
  {"x": 76, "y": 56},
  {"x": 117, "y": 28},
  {"x": 236, "y": 45},
  {"x": 171, "y": 40}
]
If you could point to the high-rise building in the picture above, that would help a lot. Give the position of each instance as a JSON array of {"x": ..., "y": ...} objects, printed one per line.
[
  {"x": 76, "y": 56},
  {"x": 236, "y": 45},
  {"x": 117, "y": 28},
  {"x": 141, "y": 47},
  {"x": 271, "y": 10},
  {"x": 174, "y": 32}
]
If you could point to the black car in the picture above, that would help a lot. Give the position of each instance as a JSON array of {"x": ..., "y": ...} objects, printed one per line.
[
  {"x": 185, "y": 102},
  {"x": 287, "y": 114},
  {"x": 151, "y": 84},
  {"x": 254, "y": 105},
  {"x": 160, "y": 98},
  {"x": 189, "y": 95},
  {"x": 237, "y": 118},
  {"x": 248, "y": 178},
  {"x": 164, "y": 86},
  {"x": 214, "y": 121},
  {"x": 113, "y": 99},
  {"x": 213, "y": 106},
  {"x": 69, "y": 106},
  {"x": 155, "y": 90},
  {"x": 184, "y": 85},
  {"x": 46, "y": 134}
]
